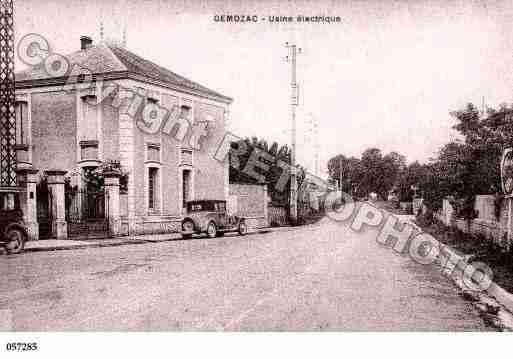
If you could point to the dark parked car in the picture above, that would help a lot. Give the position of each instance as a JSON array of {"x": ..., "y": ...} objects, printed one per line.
[
  {"x": 211, "y": 217},
  {"x": 13, "y": 233}
]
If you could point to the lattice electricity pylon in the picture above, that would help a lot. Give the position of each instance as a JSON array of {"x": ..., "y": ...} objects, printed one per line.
[{"x": 7, "y": 97}]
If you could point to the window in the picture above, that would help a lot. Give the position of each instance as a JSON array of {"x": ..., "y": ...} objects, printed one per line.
[
  {"x": 89, "y": 150},
  {"x": 186, "y": 186},
  {"x": 179, "y": 122},
  {"x": 153, "y": 100},
  {"x": 185, "y": 112},
  {"x": 152, "y": 188},
  {"x": 186, "y": 157},
  {"x": 153, "y": 152},
  {"x": 21, "y": 123}
]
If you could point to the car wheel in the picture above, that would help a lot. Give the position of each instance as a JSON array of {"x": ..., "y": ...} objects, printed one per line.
[
  {"x": 243, "y": 228},
  {"x": 187, "y": 226},
  {"x": 211, "y": 230},
  {"x": 16, "y": 241},
  {"x": 220, "y": 234}
]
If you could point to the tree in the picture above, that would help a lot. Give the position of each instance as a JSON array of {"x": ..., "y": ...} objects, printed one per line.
[
  {"x": 411, "y": 176},
  {"x": 344, "y": 171},
  {"x": 466, "y": 168},
  {"x": 393, "y": 166},
  {"x": 374, "y": 172},
  {"x": 279, "y": 196},
  {"x": 461, "y": 169}
]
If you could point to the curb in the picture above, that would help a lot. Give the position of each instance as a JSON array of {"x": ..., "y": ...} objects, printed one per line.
[
  {"x": 502, "y": 296},
  {"x": 133, "y": 241},
  {"x": 97, "y": 245}
]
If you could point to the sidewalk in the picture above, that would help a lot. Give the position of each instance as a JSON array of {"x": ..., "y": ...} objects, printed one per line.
[{"x": 55, "y": 244}]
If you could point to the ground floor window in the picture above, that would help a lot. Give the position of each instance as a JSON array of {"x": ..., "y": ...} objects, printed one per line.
[
  {"x": 186, "y": 187},
  {"x": 153, "y": 188}
]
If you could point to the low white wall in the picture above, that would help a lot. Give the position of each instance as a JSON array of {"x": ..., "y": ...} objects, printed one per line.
[
  {"x": 250, "y": 201},
  {"x": 486, "y": 224}
]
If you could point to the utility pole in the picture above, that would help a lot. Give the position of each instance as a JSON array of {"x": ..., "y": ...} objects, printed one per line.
[
  {"x": 7, "y": 98},
  {"x": 291, "y": 58}
]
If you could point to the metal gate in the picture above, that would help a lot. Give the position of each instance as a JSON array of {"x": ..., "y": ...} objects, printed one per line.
[
  {"x": 87, "y": 213},
  {"x": 44, "y": 212}
]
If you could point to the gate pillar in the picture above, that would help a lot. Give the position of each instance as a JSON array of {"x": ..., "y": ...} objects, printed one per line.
[
  {"x": 112, "y": 201},
  {"x": 56, "y": 188},
  {"x": 27, "y": 179}
]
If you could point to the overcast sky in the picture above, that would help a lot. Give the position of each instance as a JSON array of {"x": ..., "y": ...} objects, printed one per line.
[{"x": 387, "y": 76}]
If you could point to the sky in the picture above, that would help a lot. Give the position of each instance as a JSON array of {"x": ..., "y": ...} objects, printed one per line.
[{"x": 386, "y": 76}]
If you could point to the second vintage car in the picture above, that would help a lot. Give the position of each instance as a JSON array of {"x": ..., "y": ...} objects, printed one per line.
[
  {"x": 13, "y": 233},
  {"x": 211, "y": 217}
]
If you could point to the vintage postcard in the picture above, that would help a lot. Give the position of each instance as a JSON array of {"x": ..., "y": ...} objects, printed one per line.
[{"x": 255, "y": 166}]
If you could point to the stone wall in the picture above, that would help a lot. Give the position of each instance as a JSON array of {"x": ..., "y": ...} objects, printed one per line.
[
  {"x": 148, "y": 225},
  {"x": 250, "y": 201}
]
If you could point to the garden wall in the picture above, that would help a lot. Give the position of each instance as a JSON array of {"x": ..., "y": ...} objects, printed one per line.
[
  {"x": 486, "y": 224},
  {"x": 249, "y": 201}
]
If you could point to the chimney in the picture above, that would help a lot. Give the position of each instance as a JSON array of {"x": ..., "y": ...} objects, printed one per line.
[{"x": 85, "y": 42}]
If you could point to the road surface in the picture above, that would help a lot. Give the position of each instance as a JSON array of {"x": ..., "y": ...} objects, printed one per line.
[{"x": 319, "y": 277}]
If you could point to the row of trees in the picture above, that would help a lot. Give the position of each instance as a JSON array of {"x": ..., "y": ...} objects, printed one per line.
[
  {"x": 460, "y": 170},
  {"x": 373, "y": 172}
]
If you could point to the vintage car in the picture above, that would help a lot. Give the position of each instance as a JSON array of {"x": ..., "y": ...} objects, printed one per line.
[
  {"x": 211, "y": 217},
  {"x": 13, "y": 233}
]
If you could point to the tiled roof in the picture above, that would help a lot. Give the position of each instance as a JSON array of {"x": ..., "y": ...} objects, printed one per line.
[{"x": 114, "y": 60}]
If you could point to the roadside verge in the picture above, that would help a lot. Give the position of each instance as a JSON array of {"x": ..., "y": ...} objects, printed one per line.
[{"x": 495, "y": 304}]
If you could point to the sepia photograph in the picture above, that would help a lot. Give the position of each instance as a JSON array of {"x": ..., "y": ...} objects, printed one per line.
[{"x": 291, "y": 168}]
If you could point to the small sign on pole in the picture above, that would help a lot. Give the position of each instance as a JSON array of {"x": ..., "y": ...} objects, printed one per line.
[
  {"x": 507, "y": 186},
  {"x": 507, "y": 171}
]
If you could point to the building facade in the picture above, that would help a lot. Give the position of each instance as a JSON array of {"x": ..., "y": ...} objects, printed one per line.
[{"x": 117, "y": 108}]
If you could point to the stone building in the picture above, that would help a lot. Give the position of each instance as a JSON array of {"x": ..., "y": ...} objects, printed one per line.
[{"x": 116, "y": 107}]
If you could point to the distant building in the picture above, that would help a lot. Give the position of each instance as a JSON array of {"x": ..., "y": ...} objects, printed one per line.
[{"x": 65, "y": 130}]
